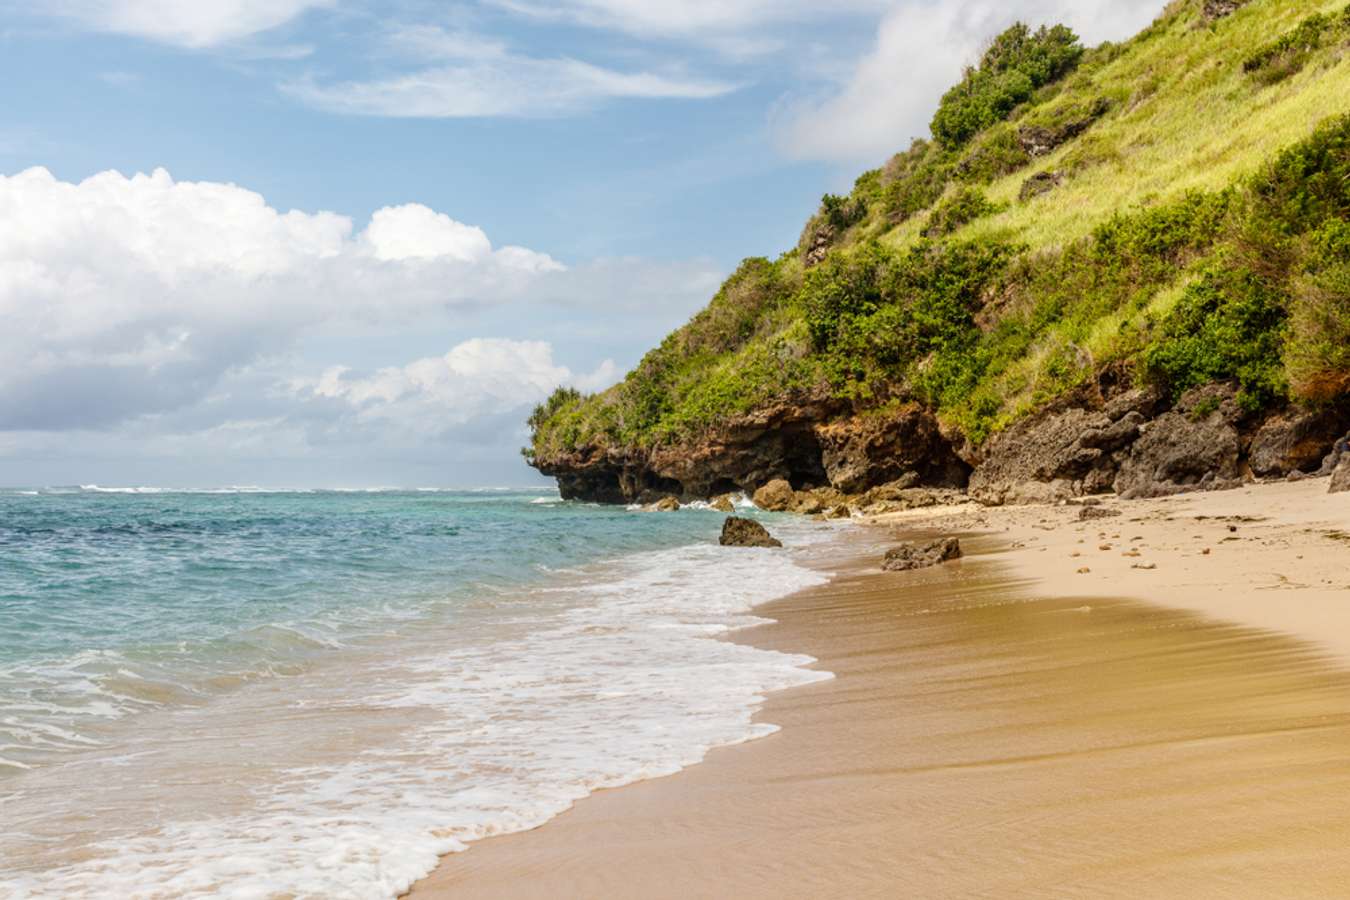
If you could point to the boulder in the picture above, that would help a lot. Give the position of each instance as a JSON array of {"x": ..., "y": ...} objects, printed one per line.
[
  {"x": 1340, "y": 476},
  {"x": 1294, "y": 441},
  {"x": 921, "y": 556},
  {"x": 776, "y": 496},
  {"x": 723, "y": 503},
  {"x": 738, "y": 532},
  {"x": 1339, "y": 450},
  {"x": 667, "y": 504},
  {"x": 840, "y": 512},
  {"x": 1196, "y": 446}
]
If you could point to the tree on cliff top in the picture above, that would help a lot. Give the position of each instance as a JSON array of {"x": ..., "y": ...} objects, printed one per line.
[{"x": 1017, "y": 63}]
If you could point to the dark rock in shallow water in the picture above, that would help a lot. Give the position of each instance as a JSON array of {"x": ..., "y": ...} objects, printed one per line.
[
  {"x": 921, "y": 556},
  {"x": 738, "y": 532}
]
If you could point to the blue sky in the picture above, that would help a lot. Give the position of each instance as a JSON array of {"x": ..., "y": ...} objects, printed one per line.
[{"x": 320, "y": 242}]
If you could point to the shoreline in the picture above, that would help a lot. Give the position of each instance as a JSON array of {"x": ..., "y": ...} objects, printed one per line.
[{"x": 885, "y": 775}]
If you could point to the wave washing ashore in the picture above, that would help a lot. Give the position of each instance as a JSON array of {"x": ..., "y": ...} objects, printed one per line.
[{"x": 316, "y": 694}]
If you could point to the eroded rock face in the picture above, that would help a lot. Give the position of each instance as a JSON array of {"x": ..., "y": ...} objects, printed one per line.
[
  {"x": 1195, "y": 446},
  {"x": 738, "y": 532},
  {"x": 1294, "y": 441},
  {"x": 1070, "y": 448},
  {"x": 921, "y": 556},
  {"x": 860, "y": 453}
]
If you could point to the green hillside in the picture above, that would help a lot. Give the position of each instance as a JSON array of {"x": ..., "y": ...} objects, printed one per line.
[{"x": 1175, "y": 205}]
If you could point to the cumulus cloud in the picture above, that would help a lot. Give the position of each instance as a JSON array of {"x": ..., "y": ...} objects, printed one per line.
[
  {"x": 124, "y": 296},
  {"x": 469, "y": 76},
  {"x": 920, "y": 51},
  {"x": 477, "y": 378},
  {"x": 187, "y": 23}
]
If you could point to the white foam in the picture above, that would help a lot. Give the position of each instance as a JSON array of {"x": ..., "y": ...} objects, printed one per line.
[{"x": 589, "y": 684}]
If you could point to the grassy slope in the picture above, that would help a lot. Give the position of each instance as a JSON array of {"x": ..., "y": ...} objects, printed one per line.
[{"x": 1047, "y": 290}]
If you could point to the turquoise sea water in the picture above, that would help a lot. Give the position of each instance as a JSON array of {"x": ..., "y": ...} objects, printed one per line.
[{"x": 247, "y": 693}]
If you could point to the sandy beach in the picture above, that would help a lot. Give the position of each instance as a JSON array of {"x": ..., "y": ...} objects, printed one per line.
[{"x": 1155, "y": 703}]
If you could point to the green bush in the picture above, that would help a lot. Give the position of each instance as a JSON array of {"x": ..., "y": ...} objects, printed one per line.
[
  {"x": 961, "y": 208},
  {"x": 1307, "y": 184},
  {"x": 1317, "y": 356},
  {"x": 1228, "y": 325},
  {"x": 1017, "y": 63},
  {"x": 913, "y": 181}
]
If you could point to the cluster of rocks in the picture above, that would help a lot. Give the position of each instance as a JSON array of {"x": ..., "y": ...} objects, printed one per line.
[{"x": 831, "y": 503}]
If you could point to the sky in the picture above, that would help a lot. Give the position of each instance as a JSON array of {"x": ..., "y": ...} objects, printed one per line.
[{"x": 347, "y": 243}]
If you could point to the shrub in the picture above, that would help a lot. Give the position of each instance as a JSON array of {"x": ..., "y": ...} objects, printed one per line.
[
  {"x": 737, "y": 310},
  {"x": 1317, "y": 356},
  {"x": 1017, "y": 63},
  {"x": 961, "y": 208},
  {"x": 1228, "y": 325},
  {"x": 1309, "y": 183},
  {"x": 913, "y": 181}
]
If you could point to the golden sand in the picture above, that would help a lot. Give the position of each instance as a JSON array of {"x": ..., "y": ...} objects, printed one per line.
[{"x": 1005, "y": 727}]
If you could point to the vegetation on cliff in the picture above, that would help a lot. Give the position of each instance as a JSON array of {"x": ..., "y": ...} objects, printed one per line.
[{"x": 1175, "y": 205}]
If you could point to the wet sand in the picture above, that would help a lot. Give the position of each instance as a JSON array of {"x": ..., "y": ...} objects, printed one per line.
[{"x": 991, "y": 734}]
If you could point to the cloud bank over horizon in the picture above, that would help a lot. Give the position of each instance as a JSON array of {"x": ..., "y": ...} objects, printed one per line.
[{"x": 148, "y": 305}]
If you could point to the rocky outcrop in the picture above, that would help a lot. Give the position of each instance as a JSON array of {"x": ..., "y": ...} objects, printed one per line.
[
  {"x": 863, "y": 452},
  {"x": 723, "y": 503},
  {"x": 816, "y": 456},
  {"x": 810, "y": 443},
  {"x": 1195, "y": 446},
  {"x": 1040, "y": 183},
  {"x": 921, "y": 556},
  {"x": 1073, "y": 447},
  {"x": 738, "y": 532},
  {"x": 1041, "y": 140},
  {"x": 1219, "y": 9}
]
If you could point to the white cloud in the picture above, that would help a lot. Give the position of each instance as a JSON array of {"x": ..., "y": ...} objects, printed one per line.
[
  {"x": 478, "y": 77},
  {"x": 920, "y": 51},
  {"x": 709, "y": 19},
  {"x": 125, "y": 296},
  {"x": 187, "y": 23},
  {"x": 477, "y": 378}
]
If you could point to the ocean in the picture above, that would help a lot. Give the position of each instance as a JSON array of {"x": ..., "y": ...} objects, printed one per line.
[{"x": 245, "y": 693}]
